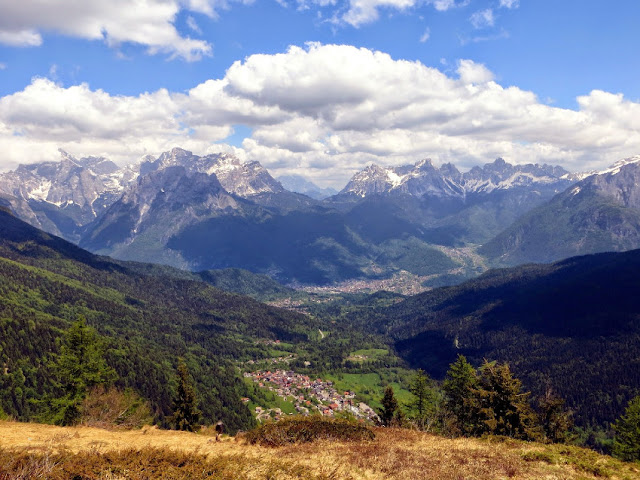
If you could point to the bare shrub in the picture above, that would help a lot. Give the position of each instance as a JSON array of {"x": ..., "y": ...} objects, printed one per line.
[
  {"x": 308, "y": 429},
  {"x": 114, "y": 408}
]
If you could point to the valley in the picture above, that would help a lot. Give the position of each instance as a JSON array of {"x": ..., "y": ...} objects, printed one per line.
[{"x": 361, "y": 289}]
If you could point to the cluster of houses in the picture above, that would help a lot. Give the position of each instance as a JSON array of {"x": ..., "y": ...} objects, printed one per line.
[{"x": 308, "y": 395}]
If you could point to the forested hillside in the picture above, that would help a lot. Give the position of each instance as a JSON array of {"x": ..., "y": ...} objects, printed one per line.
[
  {"x": 147, "y": 322},
  {"x": 573, "y": 325}
]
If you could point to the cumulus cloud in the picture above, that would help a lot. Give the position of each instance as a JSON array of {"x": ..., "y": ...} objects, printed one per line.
[
  {"x": 327, "y": 109},
  {"x": 471, "y": 72},
  {"x": 144, "y": 22}
]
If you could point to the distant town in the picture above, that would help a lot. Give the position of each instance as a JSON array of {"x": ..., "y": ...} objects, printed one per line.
[
  {"x": 308, "y": 395},
  {"x": 402, "y": 282}
]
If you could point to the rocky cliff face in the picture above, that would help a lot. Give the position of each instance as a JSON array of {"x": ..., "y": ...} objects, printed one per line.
[
  {"x": 60, "y": 197},
  {"x": 242, "y": 179},
  {"x": 621, "y": 182}
]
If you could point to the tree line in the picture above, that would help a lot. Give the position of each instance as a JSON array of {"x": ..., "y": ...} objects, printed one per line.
[{"x": 490, "y": 401}]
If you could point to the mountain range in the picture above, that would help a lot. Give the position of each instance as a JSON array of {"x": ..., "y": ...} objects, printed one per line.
[
  {"x": 600, "y": 213},
  {"x": 436, "y": 223}
]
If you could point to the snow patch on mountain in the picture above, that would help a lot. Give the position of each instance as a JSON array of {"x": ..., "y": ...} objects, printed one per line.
[{"x": 617, "y": 167}]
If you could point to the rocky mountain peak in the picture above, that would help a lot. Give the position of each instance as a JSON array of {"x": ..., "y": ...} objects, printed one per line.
[
  {"x": 242, "y": 179},
  {"x": 67, "y": 157},
  {"x": 621, "y": 183},
  {"x": 373, "y": 179},
  {"x": 449, "y": 170},
  {"x": 426, "y": 163},
  {"x": 617, "y": 166},
  {"x": 246, "y": 179}
]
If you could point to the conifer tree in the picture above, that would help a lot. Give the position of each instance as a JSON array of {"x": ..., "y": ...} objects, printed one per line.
[
  {"x": 460, "y": 387},
  {"x": 626, "y": 444},
  {"x": 504, "y": 408},
  {"x": 185, "y": 405},
  {"x": 80, "y": 365},
  {"x": 389, "y": 407},
  {"x": 423, "y": 402},
  {"x": 555, "y": 419}
]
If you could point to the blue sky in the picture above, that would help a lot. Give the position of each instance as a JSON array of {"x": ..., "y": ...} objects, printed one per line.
[{"x": 454, "y": 80}]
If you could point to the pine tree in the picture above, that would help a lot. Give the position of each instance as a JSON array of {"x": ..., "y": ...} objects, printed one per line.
[
  {"x": 185, "y": 409},
  {"x": 389, "y": 407},
  {"x": 626, "y": 444},
  {"x": 423, "y": 402},
  {"x": 503, "y": 408},
  {"x": 460, "y": 387},
  {"x": 80, "y": 365},
  {"x": 555, "y": 419}
]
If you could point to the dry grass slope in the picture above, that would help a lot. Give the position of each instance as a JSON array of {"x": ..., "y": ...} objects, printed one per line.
[
  {"x": 298, "y": 430},
  {"x": 30, "y": 451}
]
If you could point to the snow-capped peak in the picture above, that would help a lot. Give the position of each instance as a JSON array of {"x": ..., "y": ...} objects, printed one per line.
[{"x": 616, "y": 167}]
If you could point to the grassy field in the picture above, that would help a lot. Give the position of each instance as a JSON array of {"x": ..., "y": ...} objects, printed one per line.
[
  {"x": 367, "y": 354},
  {"x": 370, "y": 386},
  {"x": 45, "y": 451}
]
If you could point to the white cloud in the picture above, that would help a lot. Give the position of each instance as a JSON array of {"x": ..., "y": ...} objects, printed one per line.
[
  {"x": 366, "y": 11},
  {"x": 471, "y": 72},
  {"x": 426, "y": 35},
  {"x": 328, "y": 109},
  {"x": 509, "y": 3},
  {"x": 444, "y": 5},
  {"x": 501, "y": 34},
  {"x": 193, "y": 25},
  {"x": 361, "y": 12},
  {"x": 211, "y": 7},
  {"x": 20, "y": 38},
  {"x": 144, "y": 22},
  {"x": 307, "y": 4},
  {"x": 3, "y": 66},
  {"x": 482, "y": 19}
]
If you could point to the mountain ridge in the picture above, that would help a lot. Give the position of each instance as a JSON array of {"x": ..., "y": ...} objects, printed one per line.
[
  {"x": 599, "y": 213},
  {"x": 423, "y": 178}
]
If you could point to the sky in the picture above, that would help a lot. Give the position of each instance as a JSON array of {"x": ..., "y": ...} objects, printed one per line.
[{"x": 322, "y": 88}]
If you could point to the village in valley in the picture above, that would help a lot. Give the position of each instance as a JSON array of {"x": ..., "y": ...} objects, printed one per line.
[{"x": 308, "y": 395}]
